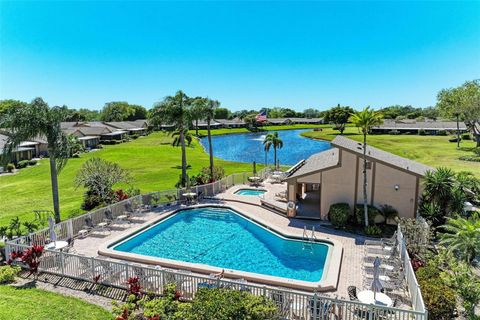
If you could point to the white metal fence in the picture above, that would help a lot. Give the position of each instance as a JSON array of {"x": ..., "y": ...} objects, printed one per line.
[
  {"x": 291, "y": 304},
  {"x": 410, "y": 278}
]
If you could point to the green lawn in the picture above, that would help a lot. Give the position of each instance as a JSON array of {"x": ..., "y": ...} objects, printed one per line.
[
  {"x": 35, "y": 304},
  {"x": 432, "y": 150},
  {"x": 152, "y": 161}
]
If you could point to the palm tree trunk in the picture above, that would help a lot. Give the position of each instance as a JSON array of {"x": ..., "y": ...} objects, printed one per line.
[
  {"x": 54, "y": 182},
  {"x": 196, "y": 127},
  {"x": 210, "y": 149},
  {"x": 275, "y": 157},
  {"x": 365, "y": 198},
  {"x": 184, "y": 156}
]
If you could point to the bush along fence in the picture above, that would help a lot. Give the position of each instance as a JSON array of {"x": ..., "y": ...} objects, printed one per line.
[{"x": 291, "y": 304}]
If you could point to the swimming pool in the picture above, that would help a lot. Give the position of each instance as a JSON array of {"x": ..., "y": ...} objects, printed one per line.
[
  {"x": 221, "y": 237},
  {"x": 250, "y": 192}
]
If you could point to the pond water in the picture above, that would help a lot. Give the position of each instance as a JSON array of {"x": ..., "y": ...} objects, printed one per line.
[{"x": 248, "y": 147}]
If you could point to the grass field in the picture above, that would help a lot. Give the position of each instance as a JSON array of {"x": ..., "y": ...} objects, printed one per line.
[
  {"x": 152, "y": 162},
  {"x": 35, "y": 304},
  {"x": 434, "y": 151}
]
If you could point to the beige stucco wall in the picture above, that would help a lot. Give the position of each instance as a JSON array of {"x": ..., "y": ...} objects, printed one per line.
[
  {"x": 360, "y": 182},
  {"x": 402, "y": 199},
  {"x": 338, "y": 185},
  {"x": 314, "y": 178}
]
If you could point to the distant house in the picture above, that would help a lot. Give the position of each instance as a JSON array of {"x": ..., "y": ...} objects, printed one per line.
[
  {"x": 202, "y": 124},
  {"x": 18, "y": 154},
  {"x": 287, "y": 121},
  {"x": 39, "y": 144},
  {"x": 231, "y": 123},
  {"x": 130, "y": 127},
  {"x": 335, "y": 176},
  {"x": 413, "y": 126}
]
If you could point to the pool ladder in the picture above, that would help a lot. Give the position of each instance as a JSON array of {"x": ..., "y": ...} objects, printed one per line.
[{"x": 308, "y": 240}]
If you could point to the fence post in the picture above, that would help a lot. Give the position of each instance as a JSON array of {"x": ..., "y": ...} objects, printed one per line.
[
  {"x": 315, "y": 309},
  {"x": 264, "y": 291},
  {"x": 126, "y": 271},
  {"x": 62, "y": 263},
  {"x": 93, "y": 269}
]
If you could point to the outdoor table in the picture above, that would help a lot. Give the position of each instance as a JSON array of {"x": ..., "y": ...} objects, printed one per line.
[
  {"x": 57, "y": 245},
  {"x": 381, "y": 299},
  {"x": 189, "y": 195}
]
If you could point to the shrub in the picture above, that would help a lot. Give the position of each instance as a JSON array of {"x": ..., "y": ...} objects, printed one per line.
[
  {"x": 32, "y": 162},
  {"x": 442, "y": 133},
  {"x": 91, "y": 201},
  {"x": 22, "y": 164},
  {"x": 360, "y": 216},
  {"x": 10, "y": 167},
  {"x": 224, "y": 303},
  {"x": 422, "y": 132},
  {"x": 339, "y": 214},
  {"x": 476, "y": 151},
  {"x": 373, "y": 231},
  {"x": 388, "y": 212},
  {"x": 466, "y": 136},
  {"x": 8, "y": 273},
  {"x": 470, "y": 158}
]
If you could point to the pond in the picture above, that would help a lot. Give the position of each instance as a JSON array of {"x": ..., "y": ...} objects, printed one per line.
[{"x": 248, "y": 147}]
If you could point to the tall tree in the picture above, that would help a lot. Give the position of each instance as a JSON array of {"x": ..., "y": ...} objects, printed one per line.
[
  {"x": 222, "y": 113},
  {"x": 365, "y": 120},
  {"x": 211, "y": 106},
  {"x": 34, "y": 120},
  {"x": 175, "y": 110},
  {"x": 465, "y": 101},
  {"x": 273, "y": 140},
  {"x": 197, "y": 111},
  {"x": 8, "y": 104},
  {"x": 338, "y": 116}
]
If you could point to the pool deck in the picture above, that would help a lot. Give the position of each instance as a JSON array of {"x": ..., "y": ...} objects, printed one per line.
[{"x": 351, "y": 272}]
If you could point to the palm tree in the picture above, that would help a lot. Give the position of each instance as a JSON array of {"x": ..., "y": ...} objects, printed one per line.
[
  {"x": 209, "y": 114},
  {"x": 438, "y": 189},
  {"x": 197, "y": 111},
  {"x": 272, "y": 140},
  {"x": 34, "y": 120},
  {"x": 365, "y": 120},
  {"x": 462, "y": 236},
  {"x": 176, "y": 110},
  {"x": 177, "y": 141}
]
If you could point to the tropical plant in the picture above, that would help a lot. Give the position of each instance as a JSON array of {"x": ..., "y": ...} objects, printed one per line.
[
  {"x": 99, "y": 176},
  {"x": 365, "y": 120},
  {"x": 417, "y": 234},
  {"x": 74, "y": 145},
  {"x": 388, "y": 212},
  {"x": 273, "y": 140},
  {"x": 177, "y": 140},
  {"x": 462, "y": 236},
  {"x": 175, "y": 110},
  {"x": 34, "y": 120}
]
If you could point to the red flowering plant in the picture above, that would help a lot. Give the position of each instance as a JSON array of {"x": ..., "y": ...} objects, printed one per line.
[
  {"x": 121, "y": 195},
  {"x": 30, "y": 257},
  {"x": 134, "y": 287}
]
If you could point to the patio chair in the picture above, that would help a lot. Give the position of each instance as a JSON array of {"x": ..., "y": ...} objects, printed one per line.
[
  {"x": 283, "y": 303},
  {"x": 386, "y": 243},
  {"x": 323, "y": 310},
  {"x": 352, "y": 293}
]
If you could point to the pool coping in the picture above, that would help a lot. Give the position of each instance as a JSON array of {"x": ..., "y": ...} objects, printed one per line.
[{"x": 328, "y": 282}]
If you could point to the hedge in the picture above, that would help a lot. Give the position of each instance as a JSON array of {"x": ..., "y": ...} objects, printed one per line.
[{"x": 339, "y": 214}]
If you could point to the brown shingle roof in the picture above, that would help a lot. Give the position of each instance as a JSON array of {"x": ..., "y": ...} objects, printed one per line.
[
  {"x": 381, "y": 156},
  {"x": 317, "y": 162}
]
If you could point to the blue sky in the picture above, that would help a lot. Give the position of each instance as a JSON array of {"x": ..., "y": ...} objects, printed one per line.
[{"x": 245, "y": 54}]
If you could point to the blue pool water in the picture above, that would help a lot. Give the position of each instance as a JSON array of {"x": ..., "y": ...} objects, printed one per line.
[
  {"x": 222, "y": 238},
  {"x": 250, "y": 192},
  {"x": 248, "y": 147}
]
